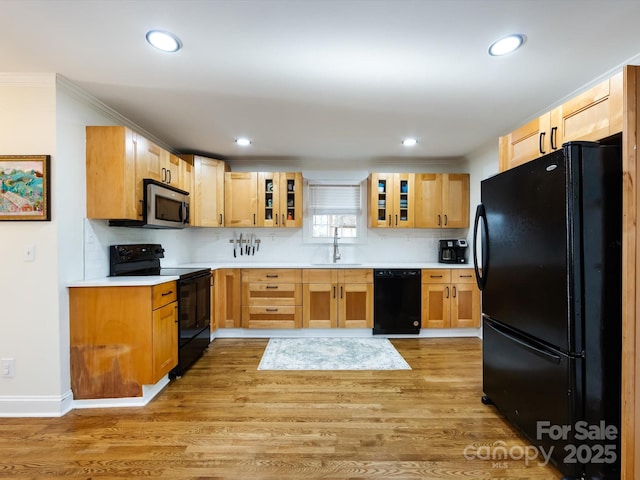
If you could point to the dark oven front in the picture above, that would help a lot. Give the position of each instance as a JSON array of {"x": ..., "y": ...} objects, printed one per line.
[
  {"x": 194, "y": 306},
  {"x": 194, "y": 326}
]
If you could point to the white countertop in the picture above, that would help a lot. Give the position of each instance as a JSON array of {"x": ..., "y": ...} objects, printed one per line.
[
  {"x": 143, "y": 281},
  {"x": 241, "y": 264},
  {"x": 151, "y": 280}
]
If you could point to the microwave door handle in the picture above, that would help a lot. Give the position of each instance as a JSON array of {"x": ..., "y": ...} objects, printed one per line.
[{"x": 184, "y": 213}]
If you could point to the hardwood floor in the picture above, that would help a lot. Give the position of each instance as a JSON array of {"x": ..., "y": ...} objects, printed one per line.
[{"x": 226, "y": 420}]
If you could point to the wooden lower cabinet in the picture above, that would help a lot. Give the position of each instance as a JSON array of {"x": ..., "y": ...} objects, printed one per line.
[
  {"x": 337, "y": 298},
  {"x": 227, "y": 298},
  {"x": 271, "y": 298},
  {"x": 121, "y": 338},
  {"x": 450, "y": 299}
]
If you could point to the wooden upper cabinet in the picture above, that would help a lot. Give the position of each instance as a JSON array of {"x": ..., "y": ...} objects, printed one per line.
[
  {"x": 442, "y": 200},
  {"x": 455, "y": 200},
  {"x": 207, "y": 195},
  {"x": 187, "y": 179},
  {"x": 279, "y": 199},
  {"x": 592, "y": 115},
  {"x": 113, "y": 189},
  {"x": 173, "y": 172},
  {"x": 391, "y": 200},
  {"x": 117, "y": 161},
  {"x": 539, "y": 137},
  {"x": 151, "y": 160},
  {"x": 241, "y": 199}
]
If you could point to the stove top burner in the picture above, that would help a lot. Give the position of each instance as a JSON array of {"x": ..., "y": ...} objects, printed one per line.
[{"x": 144, "y": 259}]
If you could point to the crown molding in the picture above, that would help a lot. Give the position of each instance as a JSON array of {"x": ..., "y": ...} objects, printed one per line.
[
  {"x": 27, "y": 79},
  {"x": 83, "y": 96}
]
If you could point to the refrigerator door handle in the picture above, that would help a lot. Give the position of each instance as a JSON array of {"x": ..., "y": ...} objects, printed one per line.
[
  {"x": 481, "y": 278},
  {"x": 539, "y": 351}
]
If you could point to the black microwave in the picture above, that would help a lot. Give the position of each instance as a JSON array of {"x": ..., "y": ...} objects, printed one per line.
[{"x": 164, "y": 207}]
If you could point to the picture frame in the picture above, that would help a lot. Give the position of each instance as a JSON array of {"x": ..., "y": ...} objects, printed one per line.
[{"x": 25, "y": 187}]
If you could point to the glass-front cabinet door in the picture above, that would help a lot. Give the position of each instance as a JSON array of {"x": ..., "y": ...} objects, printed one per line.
[
  {"x": 391, "y": 199},
  {"x": 280, "y": 199}
]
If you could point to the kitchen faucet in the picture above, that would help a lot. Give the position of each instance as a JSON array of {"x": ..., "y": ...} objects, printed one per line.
[{"x": 336, "y": 252}]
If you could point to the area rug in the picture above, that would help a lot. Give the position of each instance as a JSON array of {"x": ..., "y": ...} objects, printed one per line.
[{"x": 331, "y": 354}]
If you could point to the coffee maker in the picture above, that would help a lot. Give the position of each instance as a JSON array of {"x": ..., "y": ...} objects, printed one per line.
[{"x": 453, "y": 251}]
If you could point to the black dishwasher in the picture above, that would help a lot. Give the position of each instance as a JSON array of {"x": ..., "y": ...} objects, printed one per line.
[{"x": 397, "y": 301}]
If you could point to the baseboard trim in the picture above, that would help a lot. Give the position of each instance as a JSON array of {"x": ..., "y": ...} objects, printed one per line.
[
  {"x": 340, "y": 332},
  {"x": 36, "y": 405},
  {"x": 149, "y": 392}
]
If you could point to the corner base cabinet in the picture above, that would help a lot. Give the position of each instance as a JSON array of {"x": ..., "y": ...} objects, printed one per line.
[{"x": 121, "y": 338}]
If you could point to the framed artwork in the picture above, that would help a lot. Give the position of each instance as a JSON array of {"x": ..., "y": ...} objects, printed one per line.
[{"x": 24, "y": 187}]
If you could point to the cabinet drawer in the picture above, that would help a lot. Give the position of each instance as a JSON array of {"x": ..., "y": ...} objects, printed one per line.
[
  {"x": 355, "y": 275},
  {"x": 437, "y": 275},
  {"x": 272, "y": 317},
  {"x": 164, "y": 293},
  {"x": 272, "y": 294},
  {"x": 272, "y": 275},
  {"x": 319, "y": 275},
  {"x": 463, "y": 275}
]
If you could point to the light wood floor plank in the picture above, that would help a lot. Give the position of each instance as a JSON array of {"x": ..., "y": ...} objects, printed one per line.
[{"x": 226, "y": 420}]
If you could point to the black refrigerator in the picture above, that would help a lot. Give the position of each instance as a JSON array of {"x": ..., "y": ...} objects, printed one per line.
[{"x": 547, "y": 255}]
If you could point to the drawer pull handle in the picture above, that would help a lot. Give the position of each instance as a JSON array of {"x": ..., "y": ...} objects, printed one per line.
[
  {"x": 271, "y": 275},
  {"x": 167, "y": 293},
  {"x": 435, "y": 276},
  {"x": 465, "y": 276},
  {"x": 272, "y": 287},
  {"x": 272, "y": 309}
]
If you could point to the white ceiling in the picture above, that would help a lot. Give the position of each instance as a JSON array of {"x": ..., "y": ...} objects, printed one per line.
[{"x": 339, "y": 79}]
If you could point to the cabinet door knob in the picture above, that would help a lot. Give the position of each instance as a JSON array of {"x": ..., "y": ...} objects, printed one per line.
[
  {"x": 447, "y": 293},
  {"x": 554, "y": 131}
]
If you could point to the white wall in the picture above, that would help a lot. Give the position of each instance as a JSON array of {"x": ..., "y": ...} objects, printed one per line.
[
  {"x": 43, "y": 114},
  {"x": 28, "y": 290}
]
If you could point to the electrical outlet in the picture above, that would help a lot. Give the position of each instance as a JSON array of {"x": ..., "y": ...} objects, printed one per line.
[{"x": 7, "y": 367}]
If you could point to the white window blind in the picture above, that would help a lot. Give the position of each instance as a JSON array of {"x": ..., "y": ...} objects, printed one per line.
[{"x": 334, "y": 198}]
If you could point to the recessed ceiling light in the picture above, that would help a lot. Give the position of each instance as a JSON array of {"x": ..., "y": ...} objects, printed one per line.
[
  {"x": 506, "y": 45},
  {"x": 243, "y": 142},
  {"x": 409, "y": 142},
  {"x": 165, "y": 41}
]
